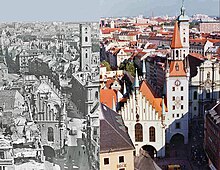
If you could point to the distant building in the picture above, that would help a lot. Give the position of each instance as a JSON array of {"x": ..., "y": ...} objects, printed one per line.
[
  {"x": 6, "y": 155},
  {"x": 11, "y": 100},
  {"x": 204, "y": 84},
  {"x": 49, "y": 111},
  {"x": 116, "y": 147},
  {"x": 209, "y": 27},
  {"x": 211, "y": 138},
  {"x": 3, "y": 74}
]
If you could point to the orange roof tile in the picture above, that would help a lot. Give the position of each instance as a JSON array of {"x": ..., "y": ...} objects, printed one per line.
[
  {"x": 149, "y": 94},
  {"x": 176, "y": 42},
  {"x": 106, "y": 97},
  {"x": 177, "y": 69}
]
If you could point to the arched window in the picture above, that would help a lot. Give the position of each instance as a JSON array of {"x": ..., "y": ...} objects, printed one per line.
[
  {"x": 50, "y": 134},
  {"x": 86, "y": 39},
  {"x": 138, "y": 133},
  {"x": 177, "y": 54},
  {"x": 195, "y": 95},
  {"x": 152, "y": 134},
  {"x": 184, "y": 39}
]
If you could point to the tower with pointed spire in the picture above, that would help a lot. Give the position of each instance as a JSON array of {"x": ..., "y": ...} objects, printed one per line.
[
  {"x": 136, "y": 82},
  {"x": 177, "y": 80}
]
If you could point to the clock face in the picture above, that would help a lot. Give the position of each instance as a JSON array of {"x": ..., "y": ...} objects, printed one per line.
[{"x": 177, "y": 83}]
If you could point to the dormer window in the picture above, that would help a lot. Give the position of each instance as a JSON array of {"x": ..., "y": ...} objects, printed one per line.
[{"x": 177, "y": 67}]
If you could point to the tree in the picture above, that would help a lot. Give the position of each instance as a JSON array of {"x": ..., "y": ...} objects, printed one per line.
[
  {"x": 107, "y": 65},
  {"x": 130, "y": 68}
]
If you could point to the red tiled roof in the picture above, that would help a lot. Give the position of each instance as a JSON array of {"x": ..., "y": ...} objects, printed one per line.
[
  {"x": 177, "y": 69},
  {"x": 149, "y": 94},
  {"x": 106, "y": 97},
  {"x": 176, "y": 42}
]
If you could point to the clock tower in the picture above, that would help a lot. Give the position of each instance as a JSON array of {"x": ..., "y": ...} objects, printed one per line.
[{"x": 177, "y": 89}]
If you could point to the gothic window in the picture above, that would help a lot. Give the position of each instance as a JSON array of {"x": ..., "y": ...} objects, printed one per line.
[
  {"x": 86, "y": 39},
  {"x": 50, "y": 134},
  {"x": 195, "y": 95},
  {"x": 138, "y": 133},
  {"x": 152, "y": 134}
]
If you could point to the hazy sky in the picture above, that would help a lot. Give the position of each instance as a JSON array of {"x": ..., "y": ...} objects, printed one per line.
[{"x": 91, "y": 10}]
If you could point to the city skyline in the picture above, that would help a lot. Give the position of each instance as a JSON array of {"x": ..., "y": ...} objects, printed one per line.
[{"x": 25, "y": 10}]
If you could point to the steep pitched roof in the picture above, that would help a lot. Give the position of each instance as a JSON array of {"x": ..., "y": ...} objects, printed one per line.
[
  {"x": 106, "y": 97},
  {"x": 113, "y": 134},
  {"x": 7, "y": 99},
  {"x": 177, "y": 69},
  {"x": 150, "y": 95},
  {"x": 176, "y": 42}
]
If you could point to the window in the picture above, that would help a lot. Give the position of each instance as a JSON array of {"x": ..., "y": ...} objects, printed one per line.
[
  {"x": 138, "y": 133},
  {"x": 173, "y": 88},
  {"x": 181, "y": 106},
  {"x": 106, "y": 161},
  {"x": 152, "y": 134},
  {"x": 181, "y": 88},
  {"x": 178, "y": 125},
  {"x": 181, "y": 97},
  {"x": 173, "y": 115},
  {"x": 173, "y": 107},
  {"x": 173, "y": 98},
  {"x": 177, "y": 67},
  {"x": 86, "y": 55},
  {"x": 195, "y": 95},
  {"x": 184, "y": 39},
  {"x": 195, "y": 108},
  {"x": 96, "y": 95},
  {"x": 2, "y": 155},
  {"x": 177, "y": 54},
  {"x": 121, "y": 159},
  {"x": 50, "y": 134},
  {"x": 86, "y": 39},
  {"x": 208, "y": 75},
  {"x": 177, "y": 115},
  {"x": 208, "y": 94}
]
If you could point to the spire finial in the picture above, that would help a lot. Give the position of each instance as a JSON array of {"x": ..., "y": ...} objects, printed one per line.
[
  {"x": 183, "y": 8},
  {"x": 144, "y": 69},
  {"x": 136, "y": 85}
]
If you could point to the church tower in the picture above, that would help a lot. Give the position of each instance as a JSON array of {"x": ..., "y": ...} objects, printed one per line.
[
  {"x": 183, "y": 21},
  {"x": 85, "y": 47},
  {"x": 177, "y": 87}
]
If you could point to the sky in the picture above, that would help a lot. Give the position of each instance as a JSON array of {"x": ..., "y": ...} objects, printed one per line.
[{"x": 92, "y": 10}]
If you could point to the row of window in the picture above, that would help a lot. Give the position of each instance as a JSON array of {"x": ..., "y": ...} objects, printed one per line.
[
  {"x": 174, "y": 107},
  {"x": 174, "y": 98},
  {"x": 195, "y": 95},
  {"x": 177, "y": 115},
  {"x": 174, "y": 88},
  {"x": 120, "y": 160},
  {"x": 139, "y": 133}
]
